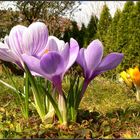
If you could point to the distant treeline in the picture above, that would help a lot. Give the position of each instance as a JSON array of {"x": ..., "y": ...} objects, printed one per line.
[{"x": 120, "y": 33}]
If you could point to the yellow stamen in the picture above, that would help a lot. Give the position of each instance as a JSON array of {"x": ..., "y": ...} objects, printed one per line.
[{"x": 46, "y": 51}]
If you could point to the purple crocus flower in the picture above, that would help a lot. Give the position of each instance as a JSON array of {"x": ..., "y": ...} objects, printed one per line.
[
  {"x": 30, "y": 40},
  {"x": 59, "y": 57},
  {"x": 56, "y": 60},
  {"x": 91, "y": 61}
]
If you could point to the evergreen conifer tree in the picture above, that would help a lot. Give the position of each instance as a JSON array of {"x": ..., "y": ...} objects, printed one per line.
[
  {"x": 91, "y": 29},
  {"x": 67, "y": 35},
  {"x": 112, "y": 34},
  {"x": 124, "y": 33},
  {"x": 73, "y": 32},
  {"x": 82, "y": 36},
  {"x": 104, "y": 23},
  {"x": 134, "y": 36}
]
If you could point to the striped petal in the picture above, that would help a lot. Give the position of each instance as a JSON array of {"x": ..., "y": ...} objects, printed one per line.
[
  {"x": 35, "y": 38},
  {"x": 14, "y": 41},
  {"x": 7, "y": 55}
]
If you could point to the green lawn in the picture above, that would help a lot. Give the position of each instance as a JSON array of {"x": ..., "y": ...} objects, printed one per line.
[{"x": 108, "y": 110}]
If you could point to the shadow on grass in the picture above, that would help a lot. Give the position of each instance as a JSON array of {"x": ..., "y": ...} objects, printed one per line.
[{"x": 119, "y": 123}]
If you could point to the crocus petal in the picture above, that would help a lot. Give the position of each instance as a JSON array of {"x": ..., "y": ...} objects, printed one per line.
[
  {"x": 52, "y": 63},
  {"x": 35, "y": 38},
  {"x": 14, "y": 41},
  {"x": 110, "y": 61},
  {"x": 33, "y": 64},
  {"x": 93, "y": 54},
  {"x": 60, "y": 43},
  {"x": 52, "y": 44},
  {"x": 66, "y": 54},
  {"x": 81, "y": 60},
  {"x": 74, "y": 49},
  {"x": 6, "y": 54},
  {"x": 6, "y": 41}
]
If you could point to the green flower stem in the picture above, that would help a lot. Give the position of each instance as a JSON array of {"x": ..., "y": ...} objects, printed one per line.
[
  {"x": 38, "y": 101},
  {"x": 73, "y": 114},
  {"x": 55, "y": 105},
  {"x": 62, "y": 108},
  {"x": 11, "y": 79},
  {"x": 39, "y": 105},
  {"x": 51, "y": 111},
  {"x": 47, "y": 103},
  {"x": 26, "y": 95},
  {"x": 62, "y": 104},
  {"x": 18, "y": 92},
  {"x": 51, "y": 99},
  {"x": 84, "y": 87},
  {"x": 73, "y": 97},
  {"x": 48, "y": 88}
]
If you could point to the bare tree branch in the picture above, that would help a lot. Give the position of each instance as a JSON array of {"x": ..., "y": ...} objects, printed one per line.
[{"x": 52, "y": 13}]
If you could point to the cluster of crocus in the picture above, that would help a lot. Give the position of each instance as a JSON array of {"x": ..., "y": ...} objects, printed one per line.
[
  {"x": 40, "y": 55},
  {"x": 132, "y": 77}
]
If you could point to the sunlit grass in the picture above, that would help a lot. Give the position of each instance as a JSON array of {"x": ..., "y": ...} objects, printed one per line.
[
  {"x": 118, "y": 106},
  {"x": 106, "y": 95},
  {"x": 108, "y": 110}
]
